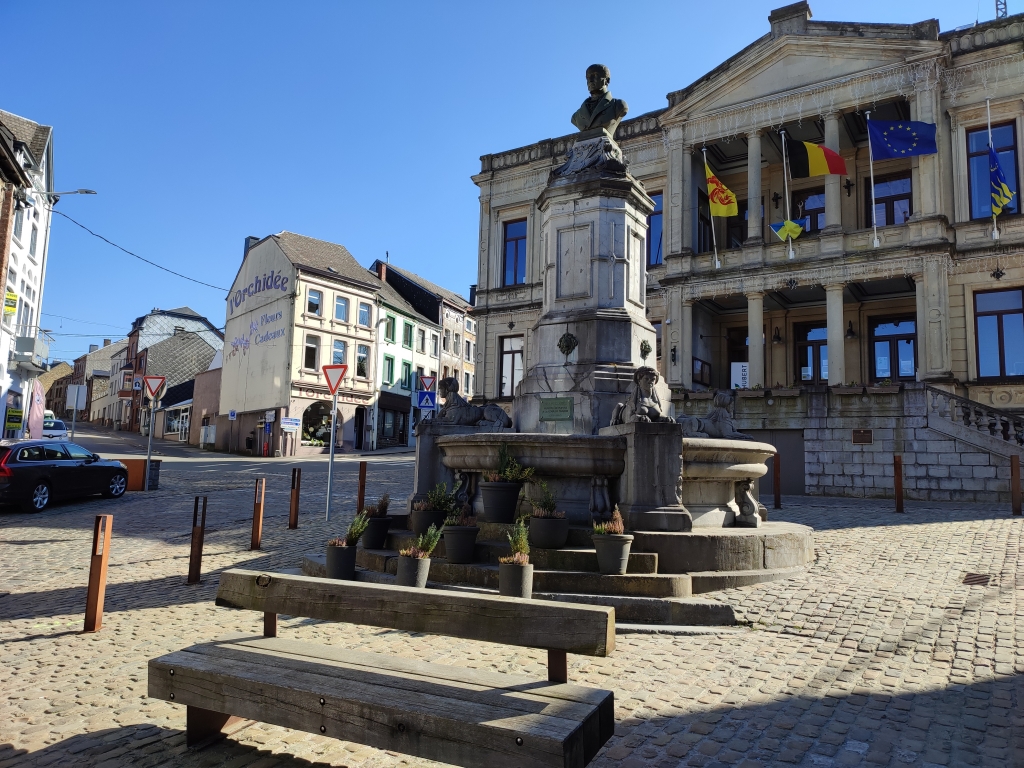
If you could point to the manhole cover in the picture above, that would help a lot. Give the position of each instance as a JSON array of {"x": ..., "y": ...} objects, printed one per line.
[{"x": 977, "y": 579}]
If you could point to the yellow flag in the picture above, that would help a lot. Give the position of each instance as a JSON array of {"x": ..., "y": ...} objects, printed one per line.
[{"x": 722, "y": 200}]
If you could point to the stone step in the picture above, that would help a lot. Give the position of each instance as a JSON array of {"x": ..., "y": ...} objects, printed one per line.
[
  {"x": 712, "y": 581},
  {"x": 655, "y": 610},
  {"x": 579, "y": 535}
]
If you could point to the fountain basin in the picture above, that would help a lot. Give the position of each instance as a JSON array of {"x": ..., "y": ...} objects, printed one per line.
[{"x": 550, "y": 455}]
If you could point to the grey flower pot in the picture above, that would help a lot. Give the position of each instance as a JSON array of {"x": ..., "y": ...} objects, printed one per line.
[
  {"x": 412, "y": 571},
  {"x": 376, "y": 534},
  {"x": 460, "y": 543},
  {"x": 500, "y": 501},
  {"x": 612, "y": 552},
  {"x": 421, "y": 519},
  {"x": 341, "y": 563},
  {"x": 515, "y": 580},
  {"x": 548, "y": 532}
]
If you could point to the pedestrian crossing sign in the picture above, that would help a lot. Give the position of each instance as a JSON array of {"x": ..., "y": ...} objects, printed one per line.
[{"x": 426, "y": 401}]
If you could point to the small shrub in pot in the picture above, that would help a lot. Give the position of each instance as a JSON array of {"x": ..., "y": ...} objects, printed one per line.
[
  {"x": 433, "y": 510},
  {"x": 515, "y": 572},
  {"x": 549, "y": 529},
  {"x": 460, "y": 532},
  {"x": 500, "y": 490},
  {"x": 612, "y": 544},
  {"x": 379, "y": 523},
  {"x": 341, "y": 552},
  {"x": 414, "y": 562}
]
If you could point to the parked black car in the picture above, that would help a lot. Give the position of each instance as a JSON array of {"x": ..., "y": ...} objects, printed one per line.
[{"x": 34, "y": 472}]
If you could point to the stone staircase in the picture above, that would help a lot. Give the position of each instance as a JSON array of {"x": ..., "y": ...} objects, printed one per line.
[{"x": 984, "y": 427}]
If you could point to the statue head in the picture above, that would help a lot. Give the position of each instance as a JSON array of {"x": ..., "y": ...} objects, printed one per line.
[
  {"x": 645, "y": 378},
  {"x": 448, "y": 387},
  {"x": 598, "y": 78}
]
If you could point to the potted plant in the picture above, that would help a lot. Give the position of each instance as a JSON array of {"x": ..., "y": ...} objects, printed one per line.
[
  {"x": 434, "y": 510},
  {"x": 549, "y": 529},
  {"x": 414, "y": 562},
  {"x": 460, "y": 532},
  {"x": 612, "y": 544},
  {"x": 500, "y": 490},
  {"x": 515, "y": 572},
  {"x": 884, "y": 387},
  {"x": 378, "y": 523},
  {"x": 341, "y": 552}
]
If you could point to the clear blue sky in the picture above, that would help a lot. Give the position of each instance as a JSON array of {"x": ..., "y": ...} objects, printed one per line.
[{"x": 202, "y": 122}]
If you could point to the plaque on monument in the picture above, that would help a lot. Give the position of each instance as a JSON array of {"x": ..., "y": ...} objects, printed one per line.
[{"x": 556, "y": 409}]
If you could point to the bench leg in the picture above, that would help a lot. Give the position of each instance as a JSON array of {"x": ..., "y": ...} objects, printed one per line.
[
  {"x": 204, "y": 724},
  {"x": 558, "y": 667}
]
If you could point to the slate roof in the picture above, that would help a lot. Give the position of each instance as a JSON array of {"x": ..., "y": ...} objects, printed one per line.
[
  {"x": 441, "y": 293},
  {"x": 35, "y": 135},
  {"x": 179, "y": 358},
  {"x": 100, "y": 359},
  {"x": 321, "y": 256},
  {"x": 390, "y": 296}
]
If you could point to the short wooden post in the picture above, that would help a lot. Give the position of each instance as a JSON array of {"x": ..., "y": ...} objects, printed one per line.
[
  {"x": 1015, "y": 484},
  {"x": 270, "y": 625},
  {"x": 777, "y": 480},
  {"x": 257, "y": 513},
  {"x": 195, "y": 558},
  {"x": 361, "y": 496},
  {"x": 98, "y": 573},
  {"x": 897, "y": 476},
  {"x": 293, "y": 510},
  {"x": 558, "y": 666}
]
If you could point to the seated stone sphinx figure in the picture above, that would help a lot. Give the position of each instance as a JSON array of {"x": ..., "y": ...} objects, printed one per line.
[
  {"x": 457, "y": 410},
  {"x": 643, "y": 404},
  {"x": 717, "y": 424}
]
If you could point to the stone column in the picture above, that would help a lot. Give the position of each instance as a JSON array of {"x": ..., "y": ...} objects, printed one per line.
[
  {"x": 927, "y": 186},
  {"x": 676, "y": 201},
  {"x": 671, "y": 336},
  {"x": 934, "y": 353},
  {"x": 688, "y": 199},
  {"x": 755, "y": 337},
  {"x": 833, "y": 202},
  {"x": 686, "y": 343},
  {"x": 836, "y": 334},
  {"x": 754, "y": 228}
]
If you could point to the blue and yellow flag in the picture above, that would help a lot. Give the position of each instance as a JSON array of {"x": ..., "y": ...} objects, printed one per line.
[
  {"x": 786, "y": 229},
  {"x": 1001, "y": 192}
]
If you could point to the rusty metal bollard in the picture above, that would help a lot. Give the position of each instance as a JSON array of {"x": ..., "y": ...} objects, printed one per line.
[
  {"x": 98, "y": 573},
  {"x": 1015, "y": 485},
  {"x": 897, "y": 476},
  {"x": 361, "y": 496},
  {"x": 293, "y": 510},
  {"x": 195, "y": 558},
  {"x": 257, "y": 513}
]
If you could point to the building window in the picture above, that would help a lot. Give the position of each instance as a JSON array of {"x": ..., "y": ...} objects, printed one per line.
[
  {"x": 406, "y": 375},
  {"x": 514, "y": 269},
  {"x": 999, "y": 330},
  {"x": 892, "y": 344},
  {"x": 389, "y": 329},
  {"x": 309, "y": 360},
  {"x": 657, "y": 339},
  {"x": 314, "y": 302},
  {"x": 811, "y": 353},
  {"x": 457, "y": 350},
  {"x": 447, "y": 340},
  {"x": 364, "y": 315},
  {"x": 1004, "y": 141},
  {"x": 511, "y": 365},
  {"x": 433, "y": 344},
  {"x": 704, "y": 240},
  {"x": 469, "y": 350},
  {"x": 469, "y": 325},
  {"x": 421, "y": 341},
  {"x": 654, "y": 254},
  {"x": 32, "y": 241},
  {"x": 339, "y": 355},
  {"x": 809, "y": 209},
  {"x": 466, "y": 388},
  {"x": 419, "y": 376},
  {"x": 389, "y": 369},
  {"x": 407, "y": 330},
  {"x": 341, "y": 309},
  {"x": 362, "y": 361},
  {"x": 892, "y": 200},
  {"x": 389, "y": 423},
  {"x": 19, "y": 222}
]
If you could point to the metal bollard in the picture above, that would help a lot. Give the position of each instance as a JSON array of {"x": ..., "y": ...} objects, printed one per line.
[
  {"x": 361, "y": 496},
  {"x": 293, "y": 510},
  {"x": 897, "y": 477},
  {"x": 257, "y": 513},
  {"x": 1015, "y": 484},
  {"x": 195, "y": 558},
  {"x": 98, "y": 573},
  {"x": 777, "y": 480}
]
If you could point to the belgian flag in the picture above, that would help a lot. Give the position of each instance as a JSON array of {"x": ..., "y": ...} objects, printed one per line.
[{"x": 807, "y": 160}]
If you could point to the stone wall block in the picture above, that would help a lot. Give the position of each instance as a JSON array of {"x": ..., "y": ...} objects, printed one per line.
[
  {"x": 864, "y": 482},
  {"x": 875, "y": 470},
  {"x": 853, "y": 469},
  {"x": 972, "y": 484},
  {"x": 938, "y": 470},
  {"x": 974, "y": 459},
  {"x": 995, "y": 485},
  {"x": 833, "y": 469},
  {"x": 961, "y": 472},
  {"x": 842, "y": 481},
  {"x": 915, "y": 470},
  {"x": 950, "y": 484},
  {"x": 949, "y": 459},
  {"x": 927, "y": 458},
  {"x": 985, "y": 472}
]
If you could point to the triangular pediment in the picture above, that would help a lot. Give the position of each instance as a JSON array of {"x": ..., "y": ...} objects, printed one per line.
[{"x": 792, "y": 63}]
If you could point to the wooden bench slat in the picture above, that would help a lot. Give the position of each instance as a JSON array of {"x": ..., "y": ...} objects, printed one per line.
[
  {"x": 581, "y": 629},
  {"x": 432, "y": 726}
]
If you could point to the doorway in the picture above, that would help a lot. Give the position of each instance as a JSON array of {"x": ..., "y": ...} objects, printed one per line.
[
  {"x": 790, "y": 445},
  {"x": 360, "y": 426}
]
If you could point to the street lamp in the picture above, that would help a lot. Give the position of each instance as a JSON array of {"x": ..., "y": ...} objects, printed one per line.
[{"x": 55, "y": 196}]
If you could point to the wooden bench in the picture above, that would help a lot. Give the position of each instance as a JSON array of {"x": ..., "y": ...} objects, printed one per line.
[{"x": 467, "y": 717}]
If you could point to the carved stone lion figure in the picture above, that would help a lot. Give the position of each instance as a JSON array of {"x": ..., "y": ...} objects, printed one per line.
[
  {"x": 717, "y": 424},
  {"x": 457, "y": 410},
  {"x": 643, "y": 403}
]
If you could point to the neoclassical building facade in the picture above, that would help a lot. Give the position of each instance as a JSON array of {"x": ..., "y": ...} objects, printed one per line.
[{"x": 881, "y": 304}]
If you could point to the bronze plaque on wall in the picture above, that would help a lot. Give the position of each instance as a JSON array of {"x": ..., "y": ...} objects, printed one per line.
[
  {"x": 556, "y": 409},
  {"x": 862, "y": 437}
]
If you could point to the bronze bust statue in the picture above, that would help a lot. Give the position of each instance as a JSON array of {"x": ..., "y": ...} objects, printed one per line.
[{"x": 600, "y": 110}]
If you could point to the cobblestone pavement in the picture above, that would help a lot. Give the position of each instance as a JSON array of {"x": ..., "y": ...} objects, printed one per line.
[{"x": 879, "y": 655}]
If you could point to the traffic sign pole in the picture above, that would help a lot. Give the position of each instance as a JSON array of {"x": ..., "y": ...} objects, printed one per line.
[
  {"x": 149, "y": 448},
  {"x": 330, "y": 461}
]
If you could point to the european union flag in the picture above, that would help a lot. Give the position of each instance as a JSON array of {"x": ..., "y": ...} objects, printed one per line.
[
  {"x": 900, "y": 138},
  {"x": 1001, "y": 192}
]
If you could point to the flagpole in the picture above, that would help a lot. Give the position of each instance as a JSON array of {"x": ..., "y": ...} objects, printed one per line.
[
  {"x": 871, "y": 168},
  {"x": 714, "y": 239},
  {"x": 988, "y": 114},
  {"x": 785, "y": 188}
]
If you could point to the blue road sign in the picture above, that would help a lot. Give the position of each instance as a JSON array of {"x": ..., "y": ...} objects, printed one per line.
[{"x": 426, "y": 400}]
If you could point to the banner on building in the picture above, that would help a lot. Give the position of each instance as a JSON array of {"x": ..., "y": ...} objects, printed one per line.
[
  {"x": 13, "y": 420},
  {"x": 10, "y": 303}
]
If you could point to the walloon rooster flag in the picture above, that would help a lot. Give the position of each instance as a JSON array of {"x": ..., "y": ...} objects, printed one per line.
[
  {"x": 721, "y": 200},
  {"x": 807, "y": 160}
]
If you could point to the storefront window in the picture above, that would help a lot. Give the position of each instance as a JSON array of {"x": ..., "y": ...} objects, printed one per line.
[{"x": 316, "y": 425}]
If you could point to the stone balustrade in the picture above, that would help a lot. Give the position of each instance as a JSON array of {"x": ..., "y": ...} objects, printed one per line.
[{"x": 985, "y": 419}]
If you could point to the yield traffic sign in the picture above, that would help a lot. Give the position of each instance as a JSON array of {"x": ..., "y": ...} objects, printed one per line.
[
  {"x": 334, "y": 374},
  {"x": 426, "y": 401},
  {"x": 427, "y": 382},
  {"x": 153, "y": 385}
]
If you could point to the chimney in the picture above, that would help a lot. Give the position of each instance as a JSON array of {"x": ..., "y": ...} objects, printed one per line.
[
  {"x": 382, "y": 271},
  {"x": 93, "y": 348},
  {"x": 472, "y": 295},
  {"x": 106, "y": 342},
  {"x": 250, "y": 241}
]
